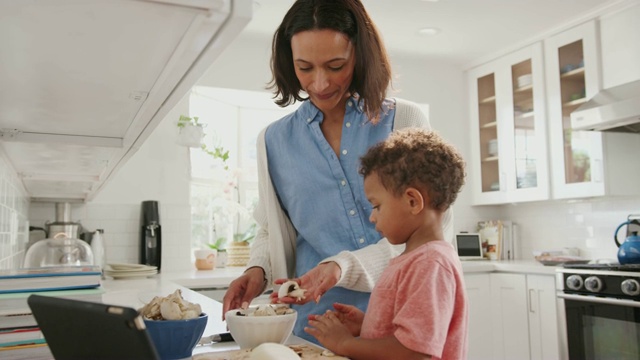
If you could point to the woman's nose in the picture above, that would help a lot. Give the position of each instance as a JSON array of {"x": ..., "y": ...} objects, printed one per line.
[{"x": 320, "y": 82}]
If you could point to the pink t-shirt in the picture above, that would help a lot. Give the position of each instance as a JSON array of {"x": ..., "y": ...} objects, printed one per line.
[{"x": 421, "y": 300}]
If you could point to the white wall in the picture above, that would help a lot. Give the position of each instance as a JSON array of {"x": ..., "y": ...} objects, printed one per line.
[
  {"x": 547, "y": 225},
  {"x": 159, "y": 170},
  {"x": 14, "y": 207},
  {"x": 437, "y": 83}
]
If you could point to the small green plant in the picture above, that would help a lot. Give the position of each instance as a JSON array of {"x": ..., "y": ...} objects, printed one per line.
[
  {"x": 218, "y": 152},
  {"x": 185, "y": 120},
  {"x": 246, "y": 236},
  {"x": 218, "y": 244}
]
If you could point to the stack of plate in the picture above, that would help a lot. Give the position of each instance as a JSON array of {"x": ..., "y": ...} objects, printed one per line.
[{"x": 124, "y": 271}]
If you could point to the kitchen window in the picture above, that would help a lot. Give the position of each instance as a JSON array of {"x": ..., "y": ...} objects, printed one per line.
[{"x": 222, "y": 199}]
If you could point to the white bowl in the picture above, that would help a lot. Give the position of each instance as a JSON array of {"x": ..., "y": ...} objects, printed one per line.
[
  {"x": 524, "y": 80},
  {"x": 251, "y": 331}
]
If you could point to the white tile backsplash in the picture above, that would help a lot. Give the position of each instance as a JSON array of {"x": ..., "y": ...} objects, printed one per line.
[
  {"x": 14, "y": 209},
  {"x": 588, "y": 225},
  {"x": 121, "y": 224}
]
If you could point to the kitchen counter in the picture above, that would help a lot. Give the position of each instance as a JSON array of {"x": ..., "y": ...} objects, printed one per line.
[
  {"x": 136, "y": 292},
  {"x": 220, "y": 278}
]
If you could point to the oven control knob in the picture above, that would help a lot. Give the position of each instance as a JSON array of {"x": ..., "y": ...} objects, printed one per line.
[
  {"x": 593, "y": 284},
  {"x": 630, "y": 287},
  {"x": 574, "y": 282}
]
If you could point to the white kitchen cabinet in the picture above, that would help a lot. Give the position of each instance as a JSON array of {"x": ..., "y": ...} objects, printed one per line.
[
  {"x": 620, "y": 44},
  {"x": 583, "y": 163},
  {"x": 543, "y": 317},
  {"x": 573, "y": 77},
  {"x": 509, "y": 315},
  {"x": 508, "y": 129},
  {"x": 478, "y": 287},
  {"x": 84, "y": 83},
  {"x": 525, "y": 316}
]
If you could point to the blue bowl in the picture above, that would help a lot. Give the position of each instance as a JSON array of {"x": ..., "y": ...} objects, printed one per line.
[{"x": 175, "y": 339}]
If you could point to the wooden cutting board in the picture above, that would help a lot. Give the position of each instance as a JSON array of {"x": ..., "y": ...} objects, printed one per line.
[{"x": 306, "y": 352}]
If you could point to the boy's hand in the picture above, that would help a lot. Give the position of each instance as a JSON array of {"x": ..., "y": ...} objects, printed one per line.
[
  {"x": 329, "y": 331},
  {"x": 350, "y": 316}
]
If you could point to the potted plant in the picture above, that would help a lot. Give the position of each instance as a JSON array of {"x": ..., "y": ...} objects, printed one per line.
[
  {"x": 221, "y": 260},
  {"x": 191, "y": 131},
  {"x": 238, "y": 250}
]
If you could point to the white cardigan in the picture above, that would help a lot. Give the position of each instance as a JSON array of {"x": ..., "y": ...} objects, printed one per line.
[{"x": 274, "y": 247}]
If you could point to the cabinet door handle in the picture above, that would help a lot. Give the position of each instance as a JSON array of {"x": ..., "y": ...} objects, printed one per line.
[
  {"x": 598, "y": 171},
  {"x": 532, "y": 299}
]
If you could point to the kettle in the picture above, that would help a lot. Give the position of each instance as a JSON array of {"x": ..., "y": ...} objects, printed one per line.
[{"x": 629, "y": 249}]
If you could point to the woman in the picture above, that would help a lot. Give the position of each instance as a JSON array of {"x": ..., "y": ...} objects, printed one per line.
[{"x": 312, "y": 204}]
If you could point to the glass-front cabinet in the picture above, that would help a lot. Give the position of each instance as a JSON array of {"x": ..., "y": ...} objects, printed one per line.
[
  {"x": 572, "y": 69},
  {"x": 508, "y": 129}
]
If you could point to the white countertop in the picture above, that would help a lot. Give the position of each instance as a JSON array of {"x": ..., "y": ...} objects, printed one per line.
[
  {"x": 220, "y": 278},
  {"x": 136, "y": 292}
]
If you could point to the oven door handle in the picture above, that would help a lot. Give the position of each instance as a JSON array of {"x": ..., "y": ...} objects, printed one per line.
[{"x": 600, "y": 300}]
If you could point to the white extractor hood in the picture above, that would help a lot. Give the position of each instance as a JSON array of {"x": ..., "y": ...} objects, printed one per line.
[
  {"x": 84, "y": 82},
  {"x": 616, "y": 109}
]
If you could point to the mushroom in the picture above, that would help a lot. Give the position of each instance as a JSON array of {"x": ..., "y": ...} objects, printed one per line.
[
  {"x": 171, "y": 307},
  {"x": 291, "y": 289}
]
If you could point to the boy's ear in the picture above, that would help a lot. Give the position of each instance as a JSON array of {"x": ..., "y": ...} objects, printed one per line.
[{"x": 415, "y": 199}]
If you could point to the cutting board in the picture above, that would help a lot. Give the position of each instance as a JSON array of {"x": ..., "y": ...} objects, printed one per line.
[{"x": 306, "y": 352}]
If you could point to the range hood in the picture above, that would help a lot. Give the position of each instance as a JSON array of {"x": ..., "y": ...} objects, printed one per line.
[
  {"x": 83, "y": 83},
  {"x": 616, "y": 109}
]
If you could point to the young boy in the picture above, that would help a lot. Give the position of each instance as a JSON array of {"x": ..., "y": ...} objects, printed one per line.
[{"x": 418, "y": 309}]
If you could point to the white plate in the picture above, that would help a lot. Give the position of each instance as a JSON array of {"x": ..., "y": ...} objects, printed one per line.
[
  {"x": 132, "y": 271},
  {"x": 117, "y": 266},
  {"x": 128, "y": 274}
]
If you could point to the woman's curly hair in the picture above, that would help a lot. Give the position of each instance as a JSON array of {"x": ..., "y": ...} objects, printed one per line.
[{"x": 419, "y": 158}]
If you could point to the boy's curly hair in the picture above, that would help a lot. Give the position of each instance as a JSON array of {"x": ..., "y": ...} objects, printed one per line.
[{"x": 419, "y": 158}]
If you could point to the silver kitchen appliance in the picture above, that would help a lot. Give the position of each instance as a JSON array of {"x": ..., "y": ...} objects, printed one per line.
[
  {"x": 63, "y": 223},
  {"x": 615, "y": 109},
  {"x": 601, "y": 303}
]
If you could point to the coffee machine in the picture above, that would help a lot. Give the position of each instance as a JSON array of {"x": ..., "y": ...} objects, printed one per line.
[{"x": 150, "y": 234}]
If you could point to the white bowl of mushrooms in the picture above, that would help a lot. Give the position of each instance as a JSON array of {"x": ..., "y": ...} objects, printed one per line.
[{"x": 268, "y": 323}]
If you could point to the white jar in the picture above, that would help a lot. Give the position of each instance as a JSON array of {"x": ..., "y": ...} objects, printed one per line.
[{"x": 98, "y": 249}]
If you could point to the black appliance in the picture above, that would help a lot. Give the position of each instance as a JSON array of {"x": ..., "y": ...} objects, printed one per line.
[
  {"x": 150, "y": 234},
  {"x": 602, "y": 310}
]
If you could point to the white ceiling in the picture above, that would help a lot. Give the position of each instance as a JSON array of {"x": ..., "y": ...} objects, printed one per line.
[{"x": 470, "y": 29}]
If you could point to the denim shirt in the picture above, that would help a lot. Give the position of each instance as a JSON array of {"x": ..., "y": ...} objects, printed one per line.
[{"x": 323, "y": 194}]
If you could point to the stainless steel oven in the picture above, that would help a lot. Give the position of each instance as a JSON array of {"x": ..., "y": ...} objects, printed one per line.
[{"x": 602, "y": 310}]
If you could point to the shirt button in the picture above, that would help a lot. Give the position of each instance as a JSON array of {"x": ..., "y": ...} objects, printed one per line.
[
  {"x": 349, "y": 104},
  {"x": 343, "y": 182},
  {"x": 344, "y": 152},
  {"x": 309, "y": 120},
  {"x": 348, "y": 124},
  {"x": 352, "y": 212},
  {"x": 361, "y": 241}
]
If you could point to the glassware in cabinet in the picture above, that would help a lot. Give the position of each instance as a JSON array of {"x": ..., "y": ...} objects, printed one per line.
[
  {"x": 508, "y": 132},
  {"x": 572, "y": 78},
  {"x": 524, "y": 126},
  {"x": 488, "y": 130}
]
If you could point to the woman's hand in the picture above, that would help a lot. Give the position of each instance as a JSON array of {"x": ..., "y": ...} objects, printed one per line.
[
  {"x": 243, "y": 289},
  {"x": 316, "y": 282}
]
